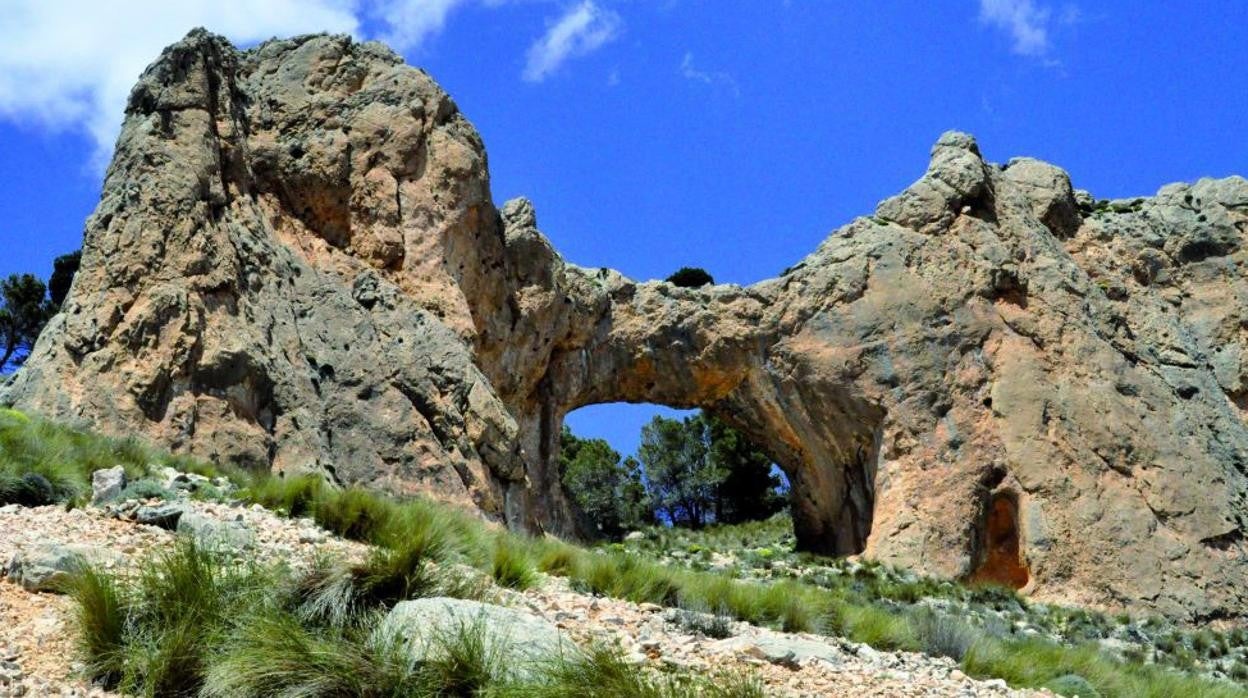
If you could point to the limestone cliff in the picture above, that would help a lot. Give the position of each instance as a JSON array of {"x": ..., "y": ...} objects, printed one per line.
[{"x": 296, "y": 265}]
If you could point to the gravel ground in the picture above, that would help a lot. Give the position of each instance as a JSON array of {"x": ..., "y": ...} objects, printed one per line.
[{"x": 37, "y": 652}]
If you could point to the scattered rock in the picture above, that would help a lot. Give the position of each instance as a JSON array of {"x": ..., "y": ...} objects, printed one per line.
[
  {"x": 215, "y": 533},
  {"x": 164, "y": 516},
  {"x": 107, "y": 484}
]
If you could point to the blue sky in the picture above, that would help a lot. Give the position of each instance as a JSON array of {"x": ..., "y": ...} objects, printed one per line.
[{"x": 654, "y": 134}]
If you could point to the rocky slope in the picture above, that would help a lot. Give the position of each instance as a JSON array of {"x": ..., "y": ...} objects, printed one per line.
[
  {"x": 37, "y": 655},
  {"x": 296, "y": 265}
]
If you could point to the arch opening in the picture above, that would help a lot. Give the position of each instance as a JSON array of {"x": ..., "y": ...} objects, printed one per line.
[
  {"x": 830, "y": 505},
  {"x": 1000, "y": 547}
]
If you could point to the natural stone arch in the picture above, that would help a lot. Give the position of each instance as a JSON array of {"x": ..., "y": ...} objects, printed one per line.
[
  {"x": 717, "y": 348},
  {"x": 296, "y": 263}
]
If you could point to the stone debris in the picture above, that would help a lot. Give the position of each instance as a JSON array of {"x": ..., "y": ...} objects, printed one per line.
[{"x": 37, "y": 647}]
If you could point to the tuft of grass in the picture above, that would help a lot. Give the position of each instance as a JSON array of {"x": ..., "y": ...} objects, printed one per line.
[
  {"x": 355, "y": 513},
  {"x": 703, "y": 621},
  {"x": 100, "y": 614},
  {"x": 940, "y": 635},
  {"x": 511, "y": 566},
  {"x": 602, "y": 668},
  {"x": 145, "y": 489},
  {"x": 461, "y": 662},
  {"x": 42, "y": 462},
  {"x": 294, "y": 496},
  {"x": 880, "y": 628},
  {"x": 154, "y": 634},
  {"x": 276, "y": 655},
  {"x": 555, "y": 557}
]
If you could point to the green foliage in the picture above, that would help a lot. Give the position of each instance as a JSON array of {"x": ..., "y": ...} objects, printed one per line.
[
  {"x": 45, "y": 463},
  {"x": 939, "y": 635},
  {"x": 273, "y": 654},
  {"x": 690, "y": 277},
  {"x": 24, "y": 310},
  {"x": 683, "y": 477},
  {"x": 338, "y": 594},
  {"x": 749, "y": 490},
  {"x": 1072, "y": 685},
  {"x": 153, "y": 635},
  {"x": 511, "y": 566},
  {"x": 610, "y": 676},
  {"x": 700, "y": 470},
  {"x": 607, "y": 490},
  {"x": 880, "y": 628},
  {"x": 100, "y": 614},
  {"x": 145, "y": 488}
]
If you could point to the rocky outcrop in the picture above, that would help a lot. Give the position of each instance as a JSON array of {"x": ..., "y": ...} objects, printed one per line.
[{"x": 296, "y": 265}]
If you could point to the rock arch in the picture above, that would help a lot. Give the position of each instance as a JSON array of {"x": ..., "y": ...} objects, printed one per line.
[{"x": 296, "y": 263}]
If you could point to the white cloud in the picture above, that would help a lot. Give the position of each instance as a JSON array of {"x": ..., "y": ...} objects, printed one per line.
[
  {"x": 69, "y": 64},
  {"x": 584, "y": 28},
  {"x": 1025, "y": 22},
  {"x": 411, "y": 22},
  {"x": 690, "y": 72}
]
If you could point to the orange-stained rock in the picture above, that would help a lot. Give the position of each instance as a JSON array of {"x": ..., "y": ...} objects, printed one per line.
[{"x": 296, "y": 265}]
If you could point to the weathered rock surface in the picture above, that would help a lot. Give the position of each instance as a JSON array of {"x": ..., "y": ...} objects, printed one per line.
[
  {"x": 47, "y": 568},
  {"x": 519, "y": 641},
  {"x": 296, "y": 265},
  {"x": 107, "y": 483}
]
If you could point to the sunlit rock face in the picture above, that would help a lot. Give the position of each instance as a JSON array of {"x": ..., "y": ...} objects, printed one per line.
[{"x": 296, "y": 265}]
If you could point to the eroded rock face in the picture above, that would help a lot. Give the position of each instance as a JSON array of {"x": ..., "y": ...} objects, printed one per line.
[{"x": 296, "y": 265}]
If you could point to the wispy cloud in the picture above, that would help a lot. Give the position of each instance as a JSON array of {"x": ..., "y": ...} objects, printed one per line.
[
  {"x": 412, "y": 22},
  {"x": 691, "y": 72},
  {"x": 582, "y": 29},
  {"x": 70, "y": 64},
  {"x": 1026, "y": 23}
]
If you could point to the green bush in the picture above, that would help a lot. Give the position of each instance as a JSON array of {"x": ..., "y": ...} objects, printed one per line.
[
  {"x": 511, "y": 566},
  {"x": 100, "y": 614},
  {"x": 940, "y": 635}
]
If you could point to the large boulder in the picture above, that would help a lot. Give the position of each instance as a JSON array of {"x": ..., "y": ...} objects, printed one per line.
[
  {"x": 518, "y": 642},
  {"x": 296, "y": 266},
  {"x": 47, "y": 568}
]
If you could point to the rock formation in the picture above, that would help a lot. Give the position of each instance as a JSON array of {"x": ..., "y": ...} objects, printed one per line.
[{"x": 296, "y": 265}]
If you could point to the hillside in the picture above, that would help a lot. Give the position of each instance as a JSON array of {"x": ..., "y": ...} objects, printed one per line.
[{"x": 205, "y": 580}]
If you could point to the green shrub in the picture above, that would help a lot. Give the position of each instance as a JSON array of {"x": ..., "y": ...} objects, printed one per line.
[
  {"x": 511, "y": 566},
  {"x": 100, "y": 614},
  {"x": 273, "y": 654},
  {"x": 882, "y": 629},
  {"x": 145, "y": 489},
  {"x": 940, "y": 635}
]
